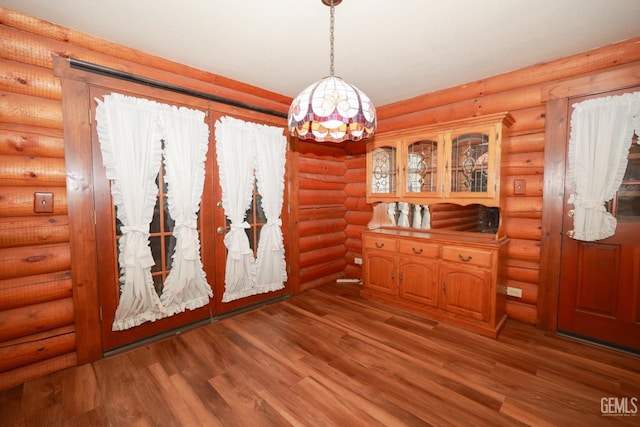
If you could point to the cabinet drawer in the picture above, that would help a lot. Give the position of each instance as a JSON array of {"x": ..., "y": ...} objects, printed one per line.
[
  {"x": 463, "y": 255},
  {"x": 379, "y": 243},
  {"x": 427, "y": 250}
]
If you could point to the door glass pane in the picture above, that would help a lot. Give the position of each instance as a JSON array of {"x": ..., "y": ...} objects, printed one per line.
[
  {"x": 383, "y": 170},
  {"x": 469, "y": 163},
  {"x": 161, "y": 240},
  {"x": 629, "y": 203},
  {"x": 256, "y": 218},
  {"x": 626, "y": 204},
  {"x": 422, "y": 167}
]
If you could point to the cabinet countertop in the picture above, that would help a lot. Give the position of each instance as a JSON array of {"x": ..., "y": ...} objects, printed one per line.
[{"x": 443, "y": 236}]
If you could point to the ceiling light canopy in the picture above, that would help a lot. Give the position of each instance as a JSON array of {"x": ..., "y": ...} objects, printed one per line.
[{"x": 332, "y": 110}]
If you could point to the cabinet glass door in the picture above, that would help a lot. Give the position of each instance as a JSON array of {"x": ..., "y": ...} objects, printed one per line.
[
  {"x": 383, "y": 175},
  {"x": 470, "y": 163},
  {"x": 421, "y": 167}
]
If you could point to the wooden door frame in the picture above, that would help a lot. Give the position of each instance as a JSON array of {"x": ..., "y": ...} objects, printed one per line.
[
  {"x": 557, "y": 97},
  {"x": 76, "y": 107}
]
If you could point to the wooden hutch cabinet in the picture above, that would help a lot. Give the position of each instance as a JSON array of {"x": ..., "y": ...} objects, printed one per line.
[
  {"x": 454, "y": 162},
  {"x": 450, "y": 276}
]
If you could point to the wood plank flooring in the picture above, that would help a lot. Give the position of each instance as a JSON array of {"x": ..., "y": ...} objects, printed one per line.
[{"x": 330, "y": 358}]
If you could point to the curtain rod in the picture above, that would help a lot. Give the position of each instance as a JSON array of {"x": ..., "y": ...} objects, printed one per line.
[{"x": 111, "y": 72}]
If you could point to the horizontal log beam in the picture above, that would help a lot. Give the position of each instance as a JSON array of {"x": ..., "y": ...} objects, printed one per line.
[
  {"x": 318, "y": 271},
  {"x": 30, "y": 110},
  {"x": 28, "y": 79},
  {"x": 522, "y": 274},
  {"x": 16, "y": 356},
  {"x": 321, "y": 226},
  {"x": 322, "y": 166},
  {"x": 37, "y": 370},
  {"x": 320, "y": 182},
  {"x": 31, "y": 141},
  {"x": 322, "y": 255},
  {"x": 313, "y": 242},
  {"x": 29, "y": 290},
  {"x": 33, "y": 260},
  {"x": 528, "y": 250},
  {"x": 33, "y": 230},
  {"x": 524, "y": 228},
  {"x": 29, "y": 171},
  {"x": 315, "y": 213},
  {"x": 33, "y": 319},
  {"x": 320, "y": 198},
  {"x": 358, "y": 204},
  {"x": 526, "y": 313}
]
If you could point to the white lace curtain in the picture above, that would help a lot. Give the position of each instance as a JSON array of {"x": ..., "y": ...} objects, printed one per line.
[
  {"x": 130, "y": 132},
  {"x": 601, "y": 134},
  {"x": 246, "y": 152}
]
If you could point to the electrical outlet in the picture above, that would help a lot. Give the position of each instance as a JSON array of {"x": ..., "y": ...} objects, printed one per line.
[
  {"x": 357, "y": 261},
  {"x": 514, "y": 292}
]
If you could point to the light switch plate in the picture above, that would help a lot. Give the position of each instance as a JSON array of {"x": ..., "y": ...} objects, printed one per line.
[
  {"x": 43, "y": 202},
  {"x": 519, "y": 187}
]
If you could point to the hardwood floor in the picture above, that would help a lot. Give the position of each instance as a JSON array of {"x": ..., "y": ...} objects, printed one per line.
[{"x": 328, "y": 357}]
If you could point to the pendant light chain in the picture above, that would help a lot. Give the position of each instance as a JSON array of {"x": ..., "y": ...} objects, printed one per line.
[{"x": 331, "y": 38}]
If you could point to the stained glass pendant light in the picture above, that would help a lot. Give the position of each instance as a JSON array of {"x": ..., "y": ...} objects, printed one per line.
[{"x": 332, "y": 110}]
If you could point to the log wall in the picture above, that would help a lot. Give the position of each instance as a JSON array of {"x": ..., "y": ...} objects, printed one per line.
[
  {"x": 523, "y": 93},
  {"x": 358, "y": 213},
  {"x": 321, "y": 212},
  {"x": 43, "y": 320}
]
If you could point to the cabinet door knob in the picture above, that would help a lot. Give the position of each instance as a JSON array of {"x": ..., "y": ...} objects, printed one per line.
[
  {"x": 570, "y": 234},
  {"x": 571, "y": 213},
  {"x": 417, "y": 251},
  {"x": 221, "y": 230},
  {"x": 379, "y": 245},
  {"x": 465, "y": 259}
]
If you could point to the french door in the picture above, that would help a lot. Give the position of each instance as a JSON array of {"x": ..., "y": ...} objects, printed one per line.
[
  {"x": 599, "y": 295},
  {"x": 162, "y": 243},
  {"x": 212, "y": 226}
]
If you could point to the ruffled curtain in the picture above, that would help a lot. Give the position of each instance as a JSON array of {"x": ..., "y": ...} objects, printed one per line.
[
  {"x": 244, "y": 151},
  {"x": 271, "y": 149},
  {"x": 130, "y": 132},
  {"x": 236, "y": 164},
  {"x": 129, "y": 138},
  {"x": 186, "y": 137},
  {"x": 601, "y": 134}
]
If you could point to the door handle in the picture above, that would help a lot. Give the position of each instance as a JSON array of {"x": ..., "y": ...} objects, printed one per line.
[
  {"x": 571, "y": 233},
  {"x": 221, "y": 230},
  {"x": 571, "y": 213}
]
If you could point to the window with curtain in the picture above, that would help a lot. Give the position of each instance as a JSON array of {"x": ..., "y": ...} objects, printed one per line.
[
  {"x": 602, "y": 131},
  {"x": 625, "y": 205}
]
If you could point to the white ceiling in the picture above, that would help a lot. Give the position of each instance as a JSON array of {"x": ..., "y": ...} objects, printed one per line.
[{"x": 392, "y": 50}]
